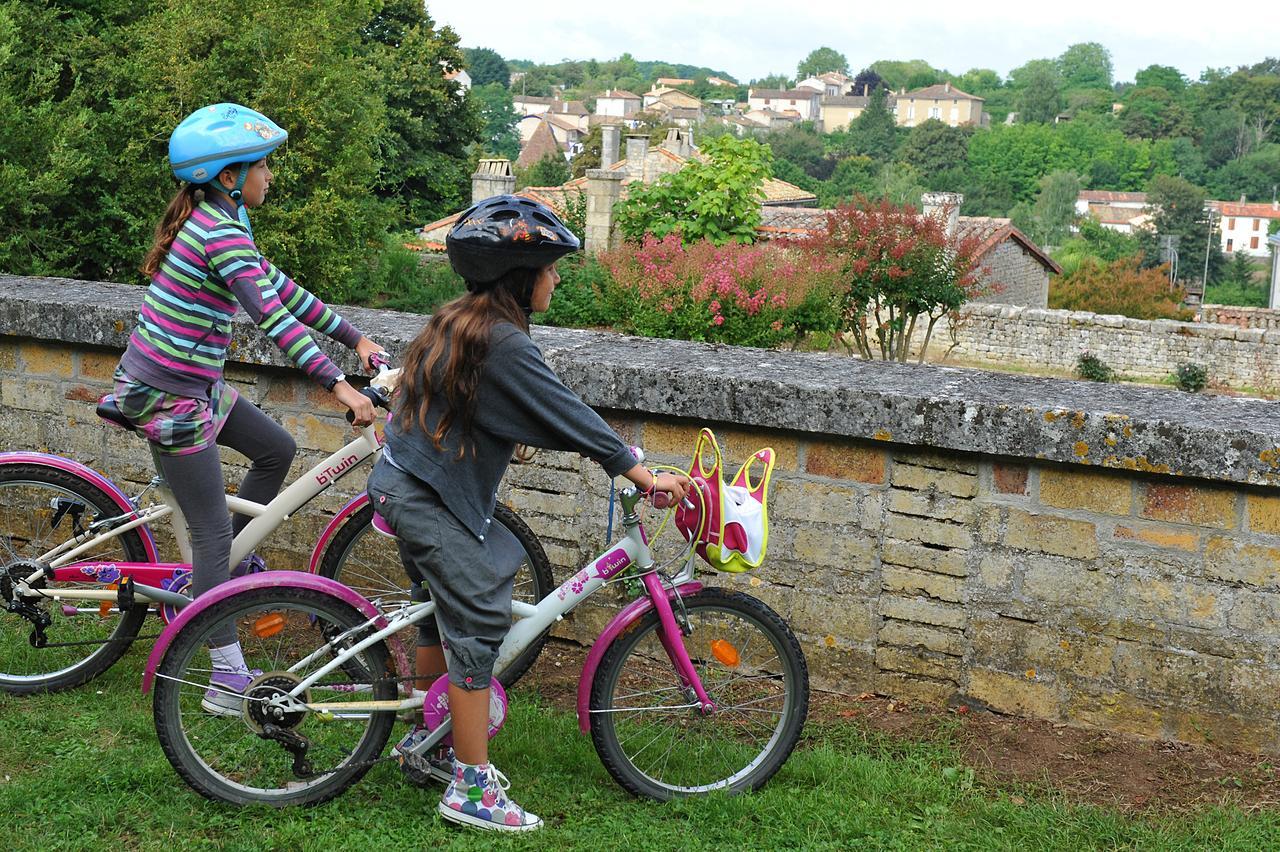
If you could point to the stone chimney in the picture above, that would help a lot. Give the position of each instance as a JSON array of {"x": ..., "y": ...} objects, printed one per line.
[
  {"x": 492, "y": 177},
  {"x": 944, "y": 206},
  {"x": 637, "y": 153},
  {"x": 677, "y": 142},
  {"x": 610, "y": 134},
  {"x": 946, "y": 87},
  {"x": 603, "y": 189}
]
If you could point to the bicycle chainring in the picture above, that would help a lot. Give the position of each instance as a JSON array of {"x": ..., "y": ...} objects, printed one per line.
[{"x": 260, "y": 711}]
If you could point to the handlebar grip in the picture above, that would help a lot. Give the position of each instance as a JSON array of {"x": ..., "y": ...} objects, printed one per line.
[
  {"x": 380, "y": 361},
  {"x": 377, "y": 397}
]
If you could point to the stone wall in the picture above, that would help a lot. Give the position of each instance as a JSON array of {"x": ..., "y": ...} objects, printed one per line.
[
  {"x": 1264, "y": 318},
  {"x": 1023, "y": 278},
  {"x": 1242, "y": 357},
  {"x": 1096, "y": 554}
]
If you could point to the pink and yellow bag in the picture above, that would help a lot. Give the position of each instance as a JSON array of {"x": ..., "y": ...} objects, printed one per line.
[{"x": 728, "y": 524}]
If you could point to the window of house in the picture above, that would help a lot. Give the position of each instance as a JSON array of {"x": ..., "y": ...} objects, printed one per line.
[
  {"x": 1255, "y": 223},
  {"x": 766, "y": 101},
  {"x": 1253, "y": 242},
  {"x": 1229, "y": 241},
  {"x": 911, "y": 111},
  {"x": 934, "y": 112},
  {"x": 793, "y": 101},
  {"x": 1231, "y": 224}
]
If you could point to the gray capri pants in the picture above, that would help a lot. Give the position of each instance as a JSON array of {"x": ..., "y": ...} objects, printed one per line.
[{"x": 470, "y": 580}]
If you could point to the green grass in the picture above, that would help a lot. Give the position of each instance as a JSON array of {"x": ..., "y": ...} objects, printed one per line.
[{"x": 83, "y": 770}]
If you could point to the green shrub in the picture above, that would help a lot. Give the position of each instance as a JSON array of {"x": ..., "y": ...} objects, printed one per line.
[
  {"x": 1093, "y": 368},
  {"x": 1119, "y": 287},
  {"x": 1191, "y": 377},
  {"x": 579, "y": 298},
  {"x": 414, "y": 285}
]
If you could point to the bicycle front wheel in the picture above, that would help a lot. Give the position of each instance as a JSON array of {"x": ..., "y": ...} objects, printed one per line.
[
  {"x": 40, "y": 508},
  {"x": 647, "y": 728},
  {"x": 369, "y": 562},
  {"x": 247, "y": 742}
]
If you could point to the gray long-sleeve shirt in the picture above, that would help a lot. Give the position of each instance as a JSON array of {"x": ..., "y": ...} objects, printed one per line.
[{"x": 520, "y": 400}]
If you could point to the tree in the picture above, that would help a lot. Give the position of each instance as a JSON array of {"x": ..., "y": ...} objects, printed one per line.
[
  {"x": 853, "y": 177},
  {"x": 1086, "y": 66},
  {"x": 1039, "y": 87},
  {"x": 1241, "y": 271},
  {"x": 898, "y": 183},
  {"x": 867, "y": 81},
  {"x": 1255, "y": 175},
  {"x": 820, "y": 61},
  {"x": 896, "y": 267},
  {"x": 716, "y": 200},
  {"x": 1178, "y": 208},
  {"x": 773, "y": 81},
  {"x": 1162, "y": 77},
  {"x": 1151, "y": 112},
  {"x": 551, "y": 170},
  {"x": 908, "y": 74},
  {"x": 801, "y": 145},
  {"x": 1119, "y": 287},
  {"x": 874, "y": 132},
  {"x": 938, "y": 152},
  {"x": 486, "y": 67},
  {"x": 1048, "y": 220},
  {"x": 499, "y": 117}
]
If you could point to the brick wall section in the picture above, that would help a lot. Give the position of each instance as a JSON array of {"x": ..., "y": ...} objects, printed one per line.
[
  {"x": 925, "y": 552},
  {"x": 1020, "y": 278},
  {"x": 1241, "y": 357},
  {"x": 1264, "y": 318}
]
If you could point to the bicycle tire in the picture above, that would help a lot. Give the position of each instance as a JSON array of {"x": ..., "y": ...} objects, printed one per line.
[
  {"x": 24, "y": 516},
  {"x": 381, "y": 578},
  {"x": 636, "y": 658},
  {"x": 220, "y": 756}
]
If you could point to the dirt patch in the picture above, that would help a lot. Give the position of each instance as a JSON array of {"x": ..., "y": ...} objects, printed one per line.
[{"x": 1083, "y": 764}]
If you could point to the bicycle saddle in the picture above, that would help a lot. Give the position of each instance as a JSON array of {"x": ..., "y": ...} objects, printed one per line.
[{"x": 110, "y": 412}]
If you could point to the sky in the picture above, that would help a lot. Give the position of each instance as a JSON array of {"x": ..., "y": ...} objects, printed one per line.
[{"x": 750, "y": 39}]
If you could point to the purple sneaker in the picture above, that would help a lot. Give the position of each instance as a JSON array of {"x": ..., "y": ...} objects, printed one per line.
[
  {"x": 251, "y": 564},
  {"x": 225, "y": 695}
]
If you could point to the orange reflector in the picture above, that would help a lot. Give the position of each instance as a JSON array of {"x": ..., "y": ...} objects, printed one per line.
[
  {"x": 725, "y": 652},
  {"x": 104, "y": 608},
  {"x": 268, "y": 625}
]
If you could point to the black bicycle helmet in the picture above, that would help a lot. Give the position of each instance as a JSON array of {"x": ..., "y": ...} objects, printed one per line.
[{"x": 503, "y": 233}]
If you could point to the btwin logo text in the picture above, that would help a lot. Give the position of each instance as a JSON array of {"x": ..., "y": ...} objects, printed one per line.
[{"x": 331, "y": 474}]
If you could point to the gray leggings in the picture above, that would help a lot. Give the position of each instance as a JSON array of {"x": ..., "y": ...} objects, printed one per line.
[{"x": 198, "y": 485}]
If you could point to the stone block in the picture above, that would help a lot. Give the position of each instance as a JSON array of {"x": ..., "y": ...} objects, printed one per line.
[
  {"x": 1061, "y": 582},
  {"x": 991, "y": 522},
  {"x": 44, "y": 359},
  {"x": 8, "y": 355},
  {"x": 1155, "y": 671},
  {"x": 928, "y": 531},
  {"x": 996, "y": 571},
  {"x": 1115, "y": 711},
  {"x": 845, "y": 460},
  {"x": 1172, "y": 538},
  {"x": 906, "y": 687},
  {"x": 1049, "y": 534},
  {"x": 835, "y": 666},
  {"x": 1253, "y": 733},
  {"x": 918, "y": 662},
  {"x": 812, "y": 501},
  {"x": 1094, "y": 492},
  {"x": 832, "y": 547},
  {"x": 848, "y": 620},
  {"x": 922, "y": 611},
  {"x": 1188, "y": 504},
  {"x": 938, "y": 460},
  {"x": 1242, "y": 562},
  {"x": 675, "y": 441},
  {"x": 908, "y": 635},
  {"x": 1010, "y": 478},
  {"x": 1256, "y": 613},
  {"x": 1262, "y": 513},
  {"x": 314, "y": 433},
  {"x": 1013, "y": 693},
  {"x": 31, "y": 395},
  {"x": 907, "y": 581},
  {"x": 98, "y": 365},
  {"x": 1049, "y": 652},
  {"x": 918, "y": 478},
  {"x": 931, "y": 504},
  {"x": 911, "y": 554}
]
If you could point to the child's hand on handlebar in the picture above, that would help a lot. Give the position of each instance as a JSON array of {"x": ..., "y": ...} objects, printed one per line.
[
  {"x": 361, "y": 407},
  {"x": 365, "y": 348},
  {"x": 669, "y": 489}
]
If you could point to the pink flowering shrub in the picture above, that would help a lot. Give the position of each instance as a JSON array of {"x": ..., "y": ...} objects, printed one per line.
[{"x": 750, "y": 295}]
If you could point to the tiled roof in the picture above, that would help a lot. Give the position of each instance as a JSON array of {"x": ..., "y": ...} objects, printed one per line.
[
  {"x": 564, "y": 122},
  {"x": 788, "y": 94},
  {"x": 614, "y": 94},
  {"x": 1235, "y": 208},
  {"x": 1103, "y": 196},
  {"x": 1110, "y": 214},
  {"x": 859, "y": 101},
  {"x": 988, "y": 231},
  {"x": 941, "y": 90},
  {"x": 540, "y": 144}
]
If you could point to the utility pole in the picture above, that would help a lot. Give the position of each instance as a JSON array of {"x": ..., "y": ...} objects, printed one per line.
[{"x": 1208, "y": 238}]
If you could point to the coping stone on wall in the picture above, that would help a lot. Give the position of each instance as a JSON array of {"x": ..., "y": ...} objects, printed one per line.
[{"x": 1150, "y": 429}]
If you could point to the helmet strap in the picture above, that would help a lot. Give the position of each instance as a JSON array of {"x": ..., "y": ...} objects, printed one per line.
[{"x": 235, "y": 194}]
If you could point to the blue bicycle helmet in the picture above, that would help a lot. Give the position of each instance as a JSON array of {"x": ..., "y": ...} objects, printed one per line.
[{"x": 221, "y": 135}]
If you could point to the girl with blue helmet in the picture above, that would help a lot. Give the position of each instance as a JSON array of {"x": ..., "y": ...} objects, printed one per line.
[{"x": 203, "y": 266}]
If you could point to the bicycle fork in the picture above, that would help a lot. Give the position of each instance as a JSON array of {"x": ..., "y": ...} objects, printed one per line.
[{"x": 672, "y": 635}]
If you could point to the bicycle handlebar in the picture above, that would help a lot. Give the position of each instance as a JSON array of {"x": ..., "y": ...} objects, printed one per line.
[{"x": 381, "y": 362}]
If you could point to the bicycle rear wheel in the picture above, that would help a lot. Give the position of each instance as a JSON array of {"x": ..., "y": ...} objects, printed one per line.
[
  {"x": 41, "y": 507},
  {"x": 645, "y": 725},
  {"x": 235, "y": 757},
  {"x": 369, "y": 562}
]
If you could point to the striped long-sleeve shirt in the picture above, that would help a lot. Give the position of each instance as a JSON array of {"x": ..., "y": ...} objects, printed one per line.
[{"x": 184, "y": 327}]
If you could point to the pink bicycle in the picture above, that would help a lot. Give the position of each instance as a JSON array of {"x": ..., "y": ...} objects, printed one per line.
[
  {"x": 80, "y": 570},
  {"x": 688, "y": 689}
]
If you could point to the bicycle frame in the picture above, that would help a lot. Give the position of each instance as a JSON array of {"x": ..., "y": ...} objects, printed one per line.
[
  {"x": 148, "y": 578},
  {"x": 631, "y": 550}
]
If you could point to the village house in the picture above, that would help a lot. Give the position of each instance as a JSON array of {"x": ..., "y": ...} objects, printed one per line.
[
  {"x": 1244, "y": 225},
  {"x": 672, "y": 98},
  {"x": 831, "y": 84},
  {"x": 1015, "y": 271},
  {"x": 461, "y": 77},
  {"x": 1273, "y": 301},
  {"x": 943, "y": 102},
  {"x": 720, "y": 81},
  {"x": 618, "y": 103},
  {"x": 1124, "y": 212},
  {"x": 839, "y": 112},
  {"x": 533, "y": 105},
  {"x": 671, "y": 81},
  {"x": 803, "y": 102}
]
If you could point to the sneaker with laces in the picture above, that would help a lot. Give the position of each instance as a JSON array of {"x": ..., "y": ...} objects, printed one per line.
[
  {"x": 423, "y": 769},
  {"x": 477, "y": 797},
  {"x": 225, "y": 695},
  {"x": 251, "y": 564}
]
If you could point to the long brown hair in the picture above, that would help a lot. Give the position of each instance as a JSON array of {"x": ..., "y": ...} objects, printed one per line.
[
  {"x": 180, "y": 207},
  {"x": 458, "y": 334}
]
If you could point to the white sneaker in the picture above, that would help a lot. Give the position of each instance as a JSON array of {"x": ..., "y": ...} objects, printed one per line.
[
  {"x": 477, "y": 797},
  {"x": 225, "y": 695}
]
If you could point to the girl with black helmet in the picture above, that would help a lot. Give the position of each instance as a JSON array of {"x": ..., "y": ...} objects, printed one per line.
[
  {"x": 473, "y": 387},
  {"x": 169, "y": 383}
]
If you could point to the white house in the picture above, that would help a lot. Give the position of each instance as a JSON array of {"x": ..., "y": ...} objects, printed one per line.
[
  {"x": 618, "y": 103},
  {"x": 1274, "y": 301},
  {"x": 832, "y": 84},
  {"x": 461, "y": 77},
  {"x": 804, "y": 102},
  {"x": 1116, "y": 211},
  {"x": 1244, "y": 225}
]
